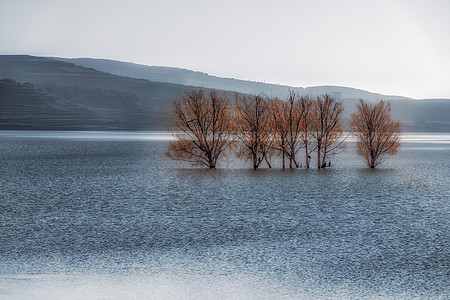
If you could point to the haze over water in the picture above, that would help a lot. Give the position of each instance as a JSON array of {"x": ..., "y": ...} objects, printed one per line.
[{"x": 108, "y": 216}]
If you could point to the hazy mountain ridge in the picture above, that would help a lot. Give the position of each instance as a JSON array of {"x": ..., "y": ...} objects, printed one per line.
[
  {"x": 25, "y": 106},
  {"x": 44, "y": 93},
  {"x": 181, "y": 76},
  {"x": 200, "y": 79},
  {"x": 42, "y": 71},
  {"x": 94, "y": 100}
]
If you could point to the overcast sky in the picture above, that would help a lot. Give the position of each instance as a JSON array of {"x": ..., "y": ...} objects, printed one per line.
[{"x": 399, "y": 47}]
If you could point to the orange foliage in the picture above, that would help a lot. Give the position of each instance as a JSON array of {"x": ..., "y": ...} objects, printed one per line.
[
  {"x": 377, "y": 133},
  {"x": 253, "y": 129},
  {"x": 206, "y": 126},
  {"x": 327, "y": 128}
]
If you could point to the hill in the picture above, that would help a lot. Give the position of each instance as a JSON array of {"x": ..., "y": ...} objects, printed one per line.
[
  {"x": 42, "y": 93},
  {"x": 200, "y": 79},
  {"x": 52, "y": 94},
  {"x": 180, "y": 76},
  {"x": 25, "y": 106}
]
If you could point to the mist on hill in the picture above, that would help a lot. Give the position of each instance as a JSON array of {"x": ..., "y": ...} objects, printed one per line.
[{"x": 95, "y": 94}]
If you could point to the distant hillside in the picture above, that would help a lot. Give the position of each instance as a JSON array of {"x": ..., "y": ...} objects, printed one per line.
[
  {"x": 199, "y": 79},
  {"x": 424, "y": 115},
  {"x": 431, "y": 115},
  {"x": 25, "y": 106},
  {"x": 181, "y": 76},
  {"x": 48, "y": 72},
  {"x": 44, "y": 93}
]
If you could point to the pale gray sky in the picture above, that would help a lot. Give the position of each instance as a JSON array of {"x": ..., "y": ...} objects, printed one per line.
[{"x": 399, "y": 47}]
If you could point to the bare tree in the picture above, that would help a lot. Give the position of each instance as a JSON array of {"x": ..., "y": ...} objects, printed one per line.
[
  {"x": 294, "y": 125},
  {"x": 306, "y": 117},
  {"x": 280, "y": 127},
  {"x": 287, "y": 127},
  {"x": 377, "y": 133},
  {"x": 327, "y": 128},
  {"x": 253, "y": 127},
  {"x": 206, "y": 128}
]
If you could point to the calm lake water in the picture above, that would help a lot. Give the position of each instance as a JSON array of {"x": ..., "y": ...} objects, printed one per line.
[{"x": 105, "y": 215}]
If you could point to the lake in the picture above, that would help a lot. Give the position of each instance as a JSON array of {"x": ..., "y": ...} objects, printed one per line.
[{"x": 106, "y": 215}]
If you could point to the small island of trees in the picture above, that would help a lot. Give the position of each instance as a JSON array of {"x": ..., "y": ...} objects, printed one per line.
[{"x": 259, "y": 127}]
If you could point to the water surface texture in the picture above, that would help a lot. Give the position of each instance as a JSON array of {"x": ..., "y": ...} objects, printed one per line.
[{"x": 109, "y": 216}]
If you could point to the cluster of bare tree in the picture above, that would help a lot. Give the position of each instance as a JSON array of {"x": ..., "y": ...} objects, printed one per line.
[{"x": 261, "y": 127}]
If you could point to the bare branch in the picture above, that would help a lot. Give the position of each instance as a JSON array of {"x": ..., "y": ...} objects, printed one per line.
[
  {"x": 207, "y": 128},
  {"x": 377, "y": 134}
]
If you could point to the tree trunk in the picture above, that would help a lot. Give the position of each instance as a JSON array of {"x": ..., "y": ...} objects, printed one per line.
[
  {"x": 292, "y": 159},
  {"x": 307, "y": 156},
  {"x": 318, "y": 156},
  {"x": 324, "y": 157},
  {"x": 295, "y": 162},
  {"x": 211, "y": 162},
  {"x": 373, "y": 158},
  {"x": 267, "y": 161},
  {"x": 255, "y": 161}
]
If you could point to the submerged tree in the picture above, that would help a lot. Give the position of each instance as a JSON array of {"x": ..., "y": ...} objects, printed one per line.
[
  {"x": 377, "y": 133},
  {"x": 294, "y": 125},
  {"x": 280, "y": 127},
  {"x": 253, "y": 129},
  {"x": 327, "y": 128},
  {"x": 206, "y": 128},
  {"x": 306, "y": 116},
  {"x": 287, "y": 127}
]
